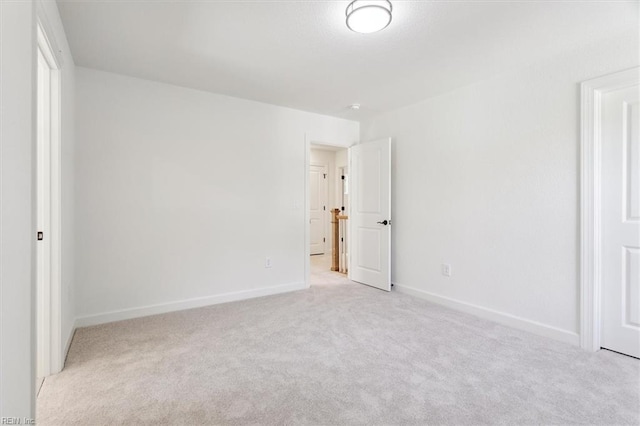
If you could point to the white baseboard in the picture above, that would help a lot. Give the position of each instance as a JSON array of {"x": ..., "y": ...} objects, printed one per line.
[
  {"x": 181, "y": 305},
  {"x": 69, "y": 340},
  {"x": 496, "y": 316}
]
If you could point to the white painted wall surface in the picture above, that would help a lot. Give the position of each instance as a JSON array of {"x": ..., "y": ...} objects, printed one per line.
[
  {"x": 342, "y": 160},
  {"x": 17, "y": 222},
  {"x": 486, "y": 178},
  {"x": 50, "y": 9},
  {"x": 181, "y": 195}
]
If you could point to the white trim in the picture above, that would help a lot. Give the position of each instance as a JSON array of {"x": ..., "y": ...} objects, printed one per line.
[
  {"x": 348, "y": 230},
  {"x": 307, "y": 212},
  {"x": 591, "y": 204},
  {"x": 197, "y": 302},
  {"x": 67, "y": 345},
  {"x": 45, "y": 45},
  {"x": 493, "y": 315},
  {"x": 57, "y": 358},
  {"x": 43, "y": 23}
]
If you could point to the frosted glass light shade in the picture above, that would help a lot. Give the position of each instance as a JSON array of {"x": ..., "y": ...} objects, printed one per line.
[{"x": 368, "y": 16}]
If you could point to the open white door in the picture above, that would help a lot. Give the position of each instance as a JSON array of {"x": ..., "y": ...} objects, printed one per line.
[
  {"x": 49, "y": 357},
  {"x": 621, "y": 220},
  {"x": 370, "y": 213}
]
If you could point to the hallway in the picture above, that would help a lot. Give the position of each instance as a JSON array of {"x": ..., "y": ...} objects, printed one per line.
[{"x": 321, "y": 273}]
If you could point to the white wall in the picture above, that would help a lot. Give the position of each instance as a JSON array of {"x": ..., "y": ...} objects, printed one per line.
[
  {"x": 17, "y": 224},
  {"x": 49, "y": 12},
  {"x": 181, "y": 195},
  {"x": 342, "y": 160},
  {"x": 486, "y": 178}
]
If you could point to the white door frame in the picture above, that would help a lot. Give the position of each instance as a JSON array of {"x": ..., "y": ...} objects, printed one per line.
[
  {"x": 307, "y": 204},
  {"x": 49, "y": 300},
  {"x": 592, "y": 92}
]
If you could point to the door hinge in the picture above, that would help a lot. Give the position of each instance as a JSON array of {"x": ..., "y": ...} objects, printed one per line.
[
  {"x": 324, "y": 240},
  {"x": 342, "y": 239},
  {"x": 342, "y": 208},
  {"x": 325, "y": 175},
  {"x": 343, "y": 177},
  {"x": 40, "y": 235},
  {"x": 324, "y": 208}
]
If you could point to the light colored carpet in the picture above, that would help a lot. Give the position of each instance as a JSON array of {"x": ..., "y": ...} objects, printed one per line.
[{"x": 338, "y": 353}]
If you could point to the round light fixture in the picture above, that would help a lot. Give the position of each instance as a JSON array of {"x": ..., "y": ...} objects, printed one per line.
[{"x": 368, "y": 16}]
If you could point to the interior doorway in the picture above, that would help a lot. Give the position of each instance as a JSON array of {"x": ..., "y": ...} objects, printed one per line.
[
  {"x": 327, "y": 171},
  {"x": 360, "y": 236},
  {"x": 48, "y": 208}
]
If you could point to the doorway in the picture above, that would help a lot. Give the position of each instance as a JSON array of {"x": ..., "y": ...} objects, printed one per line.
[
  {"x": 362, "y": 181},
  {"x": 326, "y": 167},
  {"x": 48, "y": 208}
]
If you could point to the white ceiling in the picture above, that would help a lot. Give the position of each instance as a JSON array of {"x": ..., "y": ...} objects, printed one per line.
[{"x": 300, "y": 54}]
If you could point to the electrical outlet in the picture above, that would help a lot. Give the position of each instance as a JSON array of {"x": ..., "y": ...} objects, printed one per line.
[
  {"x": 267, "y": 262},
  {"x": 446, "y": 269}
]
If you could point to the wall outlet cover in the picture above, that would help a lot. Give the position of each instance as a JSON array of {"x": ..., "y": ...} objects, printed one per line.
[{"x": 446, "y": 269}]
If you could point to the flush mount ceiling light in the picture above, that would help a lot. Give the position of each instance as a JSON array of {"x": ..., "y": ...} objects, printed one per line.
[{"x": 368, "y": 16}]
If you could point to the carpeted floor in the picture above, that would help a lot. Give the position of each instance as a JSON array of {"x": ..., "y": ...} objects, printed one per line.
[{"x": 338, "y": 353}]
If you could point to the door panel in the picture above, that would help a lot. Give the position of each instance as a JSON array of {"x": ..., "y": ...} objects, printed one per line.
[
  {"x": 317, "y": 206},
  {"x": 632, "y": 286},
  {"x": 43, "y": 217},
  {"x": 369, "y": 180},
  {"x": 621, "y": 221},
  {"x": 370, "y": 167},
  {"x": 369, "y": 248}
]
